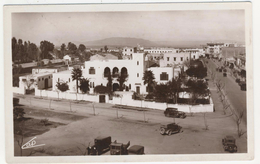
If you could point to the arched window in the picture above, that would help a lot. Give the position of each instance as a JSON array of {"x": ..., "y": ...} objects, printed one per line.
[
  {"x": 124, "y": 71},
  {"x": 107, "y": 72},
  {"x": 115, "y": 72}
]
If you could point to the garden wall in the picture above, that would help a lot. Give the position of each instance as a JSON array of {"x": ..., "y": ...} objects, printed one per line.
[
  {"x": 127, "y": 100},
  {"x": 19, "y": 90},
  {"x": 67, "y": 95},
  {"x": 162, "y": 106}
]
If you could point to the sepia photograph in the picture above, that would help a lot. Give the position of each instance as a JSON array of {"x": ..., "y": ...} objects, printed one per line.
[{"x": 121, "y": 80}]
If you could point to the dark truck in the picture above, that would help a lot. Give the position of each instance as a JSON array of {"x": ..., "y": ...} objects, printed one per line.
[
  {"x": 119, "y": 148},
  {"x": 173, "y": 112},
  {"x": 136, "y": 150},
  {"x": 170, "y": 128},
  {"x": 101, "y": 144},
  {"x": 229, "y": 144}
]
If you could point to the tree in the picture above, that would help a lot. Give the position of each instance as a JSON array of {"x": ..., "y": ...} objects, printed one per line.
[
  {"x": 109, "y": 81},
  {"x": 122, "y": 78},
  {"x": 105, "y": 48},
  {"x": 197, "y": 70},
  {"x": 72, "y": 48},
  {"x": 149, "y": 80},
  {"x": 76, "y": 75},
  {"x": 46, "y": 47},
  {"x": 84, "y": 85},
  {"x": 239, "y": 118},
  {"x": 62, "y": 86},
  {"x": 101, "y": 89},
  {"x": 29, "y": 81},
  {"x": 161, "y": 92},
  {"x": 16, "y": 71},
  {"x": 33, "y": 51},
  {"x": 14, "y": 48},
  {"x": 25, "y": 51},
  {"x": 174, "y": 87},
  {"x": 197, "y": 88},
  {"x": 82, "y": 47},
  {"x": 62, "y": 49}
]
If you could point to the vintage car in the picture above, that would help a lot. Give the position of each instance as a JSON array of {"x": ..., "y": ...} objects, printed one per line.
[
  {"x": 229, "y": 144},
  {"x": 173, "y": 112},
  {"x": 101, "y": 144},
  {"x": 170, "y": 129},
  {"x": 242, "y": 85},
  {"x": 136, "y": 150},
  {"x": 119, "y": 148}
]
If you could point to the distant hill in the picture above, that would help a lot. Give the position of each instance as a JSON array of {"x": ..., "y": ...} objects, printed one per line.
[
  {"x": 119, "y": 42},
  {"x": 132, "y": 42}
]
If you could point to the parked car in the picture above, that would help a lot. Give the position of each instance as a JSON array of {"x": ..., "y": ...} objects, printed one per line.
[
  {"x": 136, "y": 150},
  {"x": 15, "y": 101},
  {"x": 243, "y": 86},
  {"x": 229, "y": 144},
  {"x": 119, "y": 148},
  {"x": 170, "y": 129},
  {"x": 173, "y": 112},
  {"x": 101, "y": 144}
]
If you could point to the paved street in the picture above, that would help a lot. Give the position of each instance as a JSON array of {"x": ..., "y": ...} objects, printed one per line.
[
  {"x": 232, "y": 89},
  {"x": 130, "y": 126}
]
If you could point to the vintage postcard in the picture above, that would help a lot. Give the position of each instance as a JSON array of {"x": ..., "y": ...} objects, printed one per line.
[{"x": 129, "y": 82}]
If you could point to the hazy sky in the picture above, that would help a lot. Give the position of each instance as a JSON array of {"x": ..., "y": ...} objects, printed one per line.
[{"x": 154, "y": 26}]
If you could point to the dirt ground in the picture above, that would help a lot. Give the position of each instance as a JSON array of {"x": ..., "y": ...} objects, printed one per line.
[{"x": 75, "y": 132}]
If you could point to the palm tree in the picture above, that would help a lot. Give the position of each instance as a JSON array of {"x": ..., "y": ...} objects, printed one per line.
[
  {"x": 149, "y": 79},
  {"x": 76, "y": 74},
  {"x": 174, "y": 87},
  {"x": 122, "y": 78}
]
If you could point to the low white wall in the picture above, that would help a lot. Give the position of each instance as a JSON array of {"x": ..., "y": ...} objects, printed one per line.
[
  {"x": 127, "y": 101},
  {"x": 163, "y": 106},
  {"x": 68, "y": 95},
  {"x": 19, "y": 90}
]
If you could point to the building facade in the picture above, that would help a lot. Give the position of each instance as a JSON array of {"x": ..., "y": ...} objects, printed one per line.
[
  {"x": 159, "y": 50},
  {"x": 97, "y": 73},
  {"x": 172, "y": 59}
]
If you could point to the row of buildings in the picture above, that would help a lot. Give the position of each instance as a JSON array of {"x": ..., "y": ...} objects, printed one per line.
[
  {"x": 165, "y": 66},
  {"x": 165, "y": 63}
]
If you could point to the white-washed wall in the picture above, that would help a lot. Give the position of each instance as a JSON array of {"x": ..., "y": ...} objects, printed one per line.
[
  {"x": 69, "y": 96},
  {"x": 127, "y": 101},
  {"x": 163, "y": 106},
  {"x": 19, "y": 90}
]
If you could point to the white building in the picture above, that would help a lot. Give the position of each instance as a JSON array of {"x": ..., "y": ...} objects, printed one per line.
[
  {"x": 67, "y": 58},
  {"x": 41, "y": 80},
  {"x": 128, "y": 51},
  {"x": 159, "y": 50},
  {"x": 162, "y": 74},
  {"x": 97, "y": 72},
  {"x": 214, "y": 48},
  {"x": 171, "y": 59}
]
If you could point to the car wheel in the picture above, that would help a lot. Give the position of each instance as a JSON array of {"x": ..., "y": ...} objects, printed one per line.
[
  {"x": 169, "y": 132},
  {"x": 162, "y": 131}
]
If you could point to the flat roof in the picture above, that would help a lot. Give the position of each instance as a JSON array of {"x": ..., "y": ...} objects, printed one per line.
[
  {"x": 64, "y": 72},
  {"x": 38, "y": 74}
]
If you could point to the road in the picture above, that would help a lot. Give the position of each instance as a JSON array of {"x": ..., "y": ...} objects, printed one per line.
[
  {"x": 236, "y": 97},
  {"x": 88, "y": 108}
]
